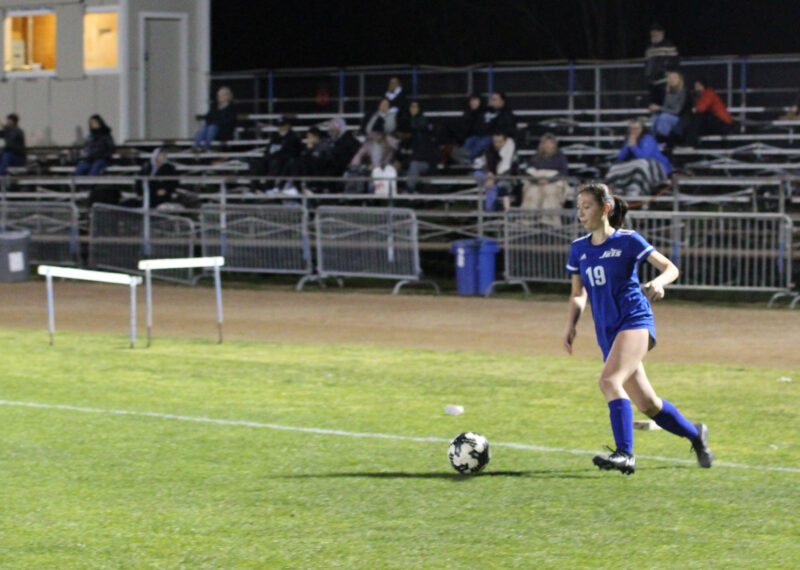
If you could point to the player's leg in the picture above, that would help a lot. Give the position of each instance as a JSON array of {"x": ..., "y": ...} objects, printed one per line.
[
  {"x": 627, "y": 351},
  {"x": 667, "y": 416}
]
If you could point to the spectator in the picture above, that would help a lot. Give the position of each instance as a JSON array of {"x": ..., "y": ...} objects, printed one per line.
[
  {"x": 660, "y": 56},
  {"x": 640, "y": 166},
  {"x": 314, "y": 159},
  {"x": 548, "y": 188},
  {"x": 375, "y": 154},
  {"x": 500, "y": 161},
  {"x": 97, "y": 150},
  {"x": 793, "y": 112},
  {"x": 671, "y": 116},
  {"x": 710, "y": 115},
  {"x": 219, "y": 122},
  {"x": 160, "y": 191},
  {"x": 342, "y": 145},
  {"x": 472, "y": 128},
  {"x": 417, "y": 145},
  {"x": 14, "y": 153},
  {"x": 383, "y": 120},
  {"x": 397, "y": 99},
  {"x": 283, "y": 150},
  {"x": 498, "y": 118}
]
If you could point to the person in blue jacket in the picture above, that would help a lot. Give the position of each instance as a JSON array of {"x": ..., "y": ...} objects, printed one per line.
[
  {"x": 641, "y": 167},
  {"x": 603, "y": 266}
]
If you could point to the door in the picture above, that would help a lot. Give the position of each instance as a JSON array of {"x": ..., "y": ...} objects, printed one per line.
[{"x": 163, "y": 70}]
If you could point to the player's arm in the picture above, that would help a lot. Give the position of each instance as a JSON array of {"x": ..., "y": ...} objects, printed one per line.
[
  {"x": 577, "y": 303},
  {"x": 668, "y": 273}
]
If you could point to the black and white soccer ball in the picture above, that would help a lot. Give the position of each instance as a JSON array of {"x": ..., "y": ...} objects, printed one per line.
[{"x": 469, "y": 453}]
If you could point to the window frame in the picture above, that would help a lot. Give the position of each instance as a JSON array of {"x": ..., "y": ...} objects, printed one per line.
[
  {"x": 102, "y": 10},
  {"x": 31, "y": 74}
]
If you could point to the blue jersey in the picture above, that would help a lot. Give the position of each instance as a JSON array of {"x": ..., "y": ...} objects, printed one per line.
[{"x": 609, "y": 274}]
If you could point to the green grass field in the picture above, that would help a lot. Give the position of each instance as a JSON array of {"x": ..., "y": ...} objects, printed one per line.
[{"x": 163, "y": 486}]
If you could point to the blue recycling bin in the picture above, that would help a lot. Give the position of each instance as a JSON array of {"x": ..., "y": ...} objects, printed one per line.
[{"x": 475, "y": 265}]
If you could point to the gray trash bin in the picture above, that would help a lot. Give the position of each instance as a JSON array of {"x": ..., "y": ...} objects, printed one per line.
[{"x": 14, "y": 256}]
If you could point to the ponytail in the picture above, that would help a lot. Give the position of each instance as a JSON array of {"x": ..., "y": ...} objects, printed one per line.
[{"x": 616, "y": 216}]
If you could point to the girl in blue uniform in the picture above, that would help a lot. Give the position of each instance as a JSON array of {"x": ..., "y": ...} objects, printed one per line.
[{"x": 603, "y": 265}]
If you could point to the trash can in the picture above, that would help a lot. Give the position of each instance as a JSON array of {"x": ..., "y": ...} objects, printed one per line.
[
  {"x": 487, "y": 251},
  {"x": 475, "y": 265},
  {"x": 14, "y": 256},
  {"x": 466, "y": 252}
]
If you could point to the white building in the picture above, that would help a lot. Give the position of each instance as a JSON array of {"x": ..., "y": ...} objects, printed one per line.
[{"x": 141, "y": 64}]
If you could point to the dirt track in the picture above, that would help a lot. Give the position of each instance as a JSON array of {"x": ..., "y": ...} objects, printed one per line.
[{"x": 686, "y": 332}]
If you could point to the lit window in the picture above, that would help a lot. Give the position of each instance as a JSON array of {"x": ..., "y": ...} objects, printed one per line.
[
  {"x": 30, "y": 42},
  {"x": 100, "y": 40}
]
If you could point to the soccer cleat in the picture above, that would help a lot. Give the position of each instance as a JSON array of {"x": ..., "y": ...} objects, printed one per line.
[
  {"x": 620, "y": 460},
  {"x": 700, "y": 446}
]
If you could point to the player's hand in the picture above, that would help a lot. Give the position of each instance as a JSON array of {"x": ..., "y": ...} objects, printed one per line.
[
  {"x": 568, "y": 338},
  {"x": 654, "y": 290}
]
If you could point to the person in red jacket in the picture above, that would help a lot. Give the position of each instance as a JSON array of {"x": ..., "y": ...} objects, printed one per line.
[{"x": 710, "y": 115}]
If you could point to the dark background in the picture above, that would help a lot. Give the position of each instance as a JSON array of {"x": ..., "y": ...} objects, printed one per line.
[{"x": 269, "y": 34}]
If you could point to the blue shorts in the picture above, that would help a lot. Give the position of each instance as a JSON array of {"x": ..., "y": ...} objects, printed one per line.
[{"x": 638, "y": 323}]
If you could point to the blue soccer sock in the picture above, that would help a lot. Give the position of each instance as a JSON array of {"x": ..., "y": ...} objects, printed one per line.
[
  {"x": 621, "y": 414},
  {"x": 671, "y": 420}
]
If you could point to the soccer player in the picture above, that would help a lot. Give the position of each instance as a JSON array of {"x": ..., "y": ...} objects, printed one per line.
[{"x": 603, "y": 267}]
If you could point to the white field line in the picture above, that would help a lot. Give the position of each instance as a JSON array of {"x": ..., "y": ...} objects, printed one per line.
[{"x": 342, "y": 433}]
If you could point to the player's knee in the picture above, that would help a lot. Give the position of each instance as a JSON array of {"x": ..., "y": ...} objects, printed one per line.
[
  {"x": 609, "y": 382},
  {"x": 648, "y": 406}
]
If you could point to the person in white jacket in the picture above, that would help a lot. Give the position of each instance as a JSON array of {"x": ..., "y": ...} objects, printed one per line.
[{"x": 499, "y": 162}]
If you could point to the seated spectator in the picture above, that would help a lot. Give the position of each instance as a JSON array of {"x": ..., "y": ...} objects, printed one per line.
[
  {"x": 548, "y": 188},
  {"x": 97, "y": 150},
  {"x": 383, "y": 120},
  {"x": 280, "y": 156},
  {"x": 160, "y": 190},
  {"x": 472, "y": 128},
  {"x": 397, "y": 99},
  {"x": 670, "y": 117},
  {"x": 341, "y": 145},
  {"x": 640, "y": 167},
  {"x": 498, "y": 118},
  {"x": 14, "y": 153},
  {"x": 416, "y": 147},
  {"x": 314, "y": 159},
  {"x": 219, "y": 122},
  {"x": 375, "y": 153},
  {"x": 710, "y": 116},
  {"x": 500, "y": 161}
]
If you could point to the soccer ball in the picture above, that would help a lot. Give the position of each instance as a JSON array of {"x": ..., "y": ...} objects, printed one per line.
[{"x": 469, "y": 453}]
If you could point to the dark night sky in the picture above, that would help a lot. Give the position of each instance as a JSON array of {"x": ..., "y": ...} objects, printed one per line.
[{"x": 258, "y": 34}]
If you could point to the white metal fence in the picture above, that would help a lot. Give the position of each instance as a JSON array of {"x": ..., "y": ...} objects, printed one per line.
[
  {"x": 380, "y": 243},
  {"x": 120, "y": 237},
  {"x": 258, "y": 239},
  {"x": 53, "y": 227},
  {"x": 714, "y": 251}
]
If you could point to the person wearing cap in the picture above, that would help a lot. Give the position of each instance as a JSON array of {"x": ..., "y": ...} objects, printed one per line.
[
  {"x": 219, "y": 122},
  {"x": 14, "y": 153},
  {"x": 280, "y": 156},
  {"x": 660, "y": 56}
]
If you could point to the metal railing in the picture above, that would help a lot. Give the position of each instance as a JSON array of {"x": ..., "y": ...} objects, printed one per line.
[
  {"x": 743, "y": 81},
  {"x": 713, "y": 251},
  {"x": 258, "y": 238},
  {"x": 120, "y": 237},
  {"x": 380, "y": 243},
  {"x": 53, "y": 227}
]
